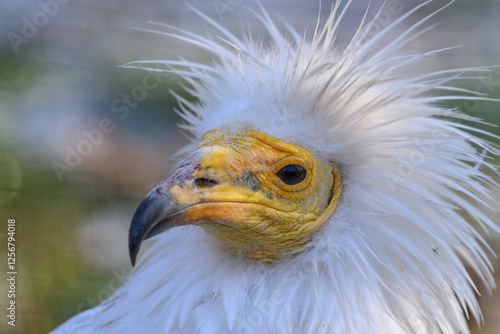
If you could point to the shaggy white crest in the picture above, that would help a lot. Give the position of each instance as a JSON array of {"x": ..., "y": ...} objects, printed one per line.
[{"x": 393, "y": 257}]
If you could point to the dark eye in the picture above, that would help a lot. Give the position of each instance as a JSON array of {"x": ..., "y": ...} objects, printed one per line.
[{"x": 292, "y": 174}]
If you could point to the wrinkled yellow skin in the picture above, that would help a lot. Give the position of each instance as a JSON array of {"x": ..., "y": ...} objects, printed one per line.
[{"x": 247, "y": 207}]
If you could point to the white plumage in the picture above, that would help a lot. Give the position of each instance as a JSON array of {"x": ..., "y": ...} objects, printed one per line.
[{"x": 393, "y": 256}]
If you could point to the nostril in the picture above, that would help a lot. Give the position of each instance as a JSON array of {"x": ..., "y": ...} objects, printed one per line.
[{"x": 204, "y": 182}]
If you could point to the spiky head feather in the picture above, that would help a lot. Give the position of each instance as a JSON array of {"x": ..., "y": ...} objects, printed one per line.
[{"x": 394, "y": 256}]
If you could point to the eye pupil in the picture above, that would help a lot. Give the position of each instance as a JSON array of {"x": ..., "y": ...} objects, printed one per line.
[{"x": 292, "y": 174}]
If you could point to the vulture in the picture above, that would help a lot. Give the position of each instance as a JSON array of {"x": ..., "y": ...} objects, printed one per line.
[{"x": 327, "y": 188}]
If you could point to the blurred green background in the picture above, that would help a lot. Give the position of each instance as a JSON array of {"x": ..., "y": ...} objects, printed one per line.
[{"x": 59, "y": 79}]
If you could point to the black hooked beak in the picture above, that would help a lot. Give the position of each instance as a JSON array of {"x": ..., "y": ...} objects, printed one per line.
[
  {"x": 165, "y": 205},
  {"x": 154, "y": 215}
]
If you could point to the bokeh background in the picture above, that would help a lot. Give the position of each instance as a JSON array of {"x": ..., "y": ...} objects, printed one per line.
[{"x": 60, "y": 84}]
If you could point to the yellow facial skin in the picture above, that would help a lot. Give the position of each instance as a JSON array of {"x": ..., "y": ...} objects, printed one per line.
[{"x": 229, "y": 185}]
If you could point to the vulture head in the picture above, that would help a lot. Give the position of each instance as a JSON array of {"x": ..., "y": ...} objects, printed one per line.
[
  {"x": 257, "y": 195},
  {"x": 326, "y": 189}
]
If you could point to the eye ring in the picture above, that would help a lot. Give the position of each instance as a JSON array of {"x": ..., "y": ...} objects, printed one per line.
[{"x": 292, "y": 174}]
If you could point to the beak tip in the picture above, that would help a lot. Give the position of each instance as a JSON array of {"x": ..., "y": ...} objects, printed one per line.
[
  {"x": 132, "y": 259},
  {"x": 136, "y": 234},
  {"x": 133, "y": 250}
]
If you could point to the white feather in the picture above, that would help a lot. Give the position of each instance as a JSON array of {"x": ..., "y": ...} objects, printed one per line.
[{"x": 393, "y": 257}]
